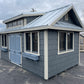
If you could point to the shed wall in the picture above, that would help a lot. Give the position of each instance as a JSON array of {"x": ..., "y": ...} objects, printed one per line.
[
  {"x": 36, "y": 67},
  {"x": 58, "y": 63}
]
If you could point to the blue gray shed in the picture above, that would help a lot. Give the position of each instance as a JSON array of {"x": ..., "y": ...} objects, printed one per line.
[{"x": 47, "y": 44}]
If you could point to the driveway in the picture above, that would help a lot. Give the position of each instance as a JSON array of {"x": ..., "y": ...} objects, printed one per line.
[{"x": 12, "y": 74}]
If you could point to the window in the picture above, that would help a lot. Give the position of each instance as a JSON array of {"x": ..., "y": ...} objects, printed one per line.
[
  {"x": 62, "y": 41},
  {"x": 28, "y": 41},
  {"x": 4, "y": 40},
  {"x": 19, "y": 22},
  {"x": 31, "y": 39},
  {"x": 35, "y": 42},
  {"x": 70, "y": 40},
  {"x": 29, "y": 19},
  {"x": 65, "y": 41}
]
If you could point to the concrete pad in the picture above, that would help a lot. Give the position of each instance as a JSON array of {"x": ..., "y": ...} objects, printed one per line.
[{"x": 13, "y": 74}]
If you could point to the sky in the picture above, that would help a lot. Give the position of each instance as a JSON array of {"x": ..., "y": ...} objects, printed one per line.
[{"x": 10, "y": 8}]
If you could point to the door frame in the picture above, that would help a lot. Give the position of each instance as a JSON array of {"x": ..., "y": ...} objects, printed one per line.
[{"x": 21, "y": 48}]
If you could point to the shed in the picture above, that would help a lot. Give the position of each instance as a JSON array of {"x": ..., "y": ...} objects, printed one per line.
[{"x": 45, "y": 45}]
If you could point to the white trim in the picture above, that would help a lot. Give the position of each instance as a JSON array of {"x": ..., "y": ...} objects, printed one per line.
[
  {"x": 63, "y": 28},
  {"x": 82, "y": 50},
  {"x": 79, "y": 48},
  {"x": 46, "y": 55},
  {"x": 58, "y": 42},
  {"x": 38, "y": 44},
  {"x": 21, "y": 48},
  {"x": 63, "y": 52},
  {"x": 9, "y": 45},
  {"x": 41, "y": 28},
  {"x": 31, "y": 52},
  {"x": 24, "y": 42},
  {"x": 30, "y": 42},
  {"x": 20, "y": 16},
  {"x": 78, "y": 17},
  {"x": 66, "y": 43},
  {"x": 73, "y": 40},
  {"x": 67, "y": 50}
]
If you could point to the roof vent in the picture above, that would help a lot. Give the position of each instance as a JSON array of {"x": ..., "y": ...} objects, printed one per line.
[{"x": 33, "y": 10}]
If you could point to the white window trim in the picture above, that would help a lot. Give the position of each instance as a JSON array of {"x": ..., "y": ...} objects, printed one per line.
[
  {"x": 1, "y": 42},
  {"x": 79, "y": 48},
  {"x": 31, "y": 52},
  {"x": 67, "y": 50}
]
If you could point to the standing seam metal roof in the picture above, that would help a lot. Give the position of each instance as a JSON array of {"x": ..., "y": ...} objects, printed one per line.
[{"x": 47, "y": 19}]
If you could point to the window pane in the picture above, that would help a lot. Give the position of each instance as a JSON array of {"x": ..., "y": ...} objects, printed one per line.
[
  {"x": 62, "y": 40},
  {"x": 5, "y": 41},
  {"x": 70, "y": 40},
  {"x": 14, "y": 23},
  {"x": 2, "y": 40},
  {"x": 19, "y": 22},
  {"x": 10, "y": 24},
  {"x": 28, "y": 41},
  {"x": 35, "y": 42}
]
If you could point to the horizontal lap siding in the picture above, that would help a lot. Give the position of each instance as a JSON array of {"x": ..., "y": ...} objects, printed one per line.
[
  {"x": 58, "y": 63},
  {"x": 4, "y": 55},
  {"x": 36, "y": 67}
]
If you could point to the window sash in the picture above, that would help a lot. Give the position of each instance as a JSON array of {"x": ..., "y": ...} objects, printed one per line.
[
  {"x": 28, "y": 43},
  {"x": 67, "y": 41},
  {"x": 62, "y": 41},
  {"x": 34, "y": 42}
]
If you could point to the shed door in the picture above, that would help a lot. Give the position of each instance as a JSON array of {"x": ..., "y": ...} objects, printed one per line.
[{"x": 15, "y": 48}]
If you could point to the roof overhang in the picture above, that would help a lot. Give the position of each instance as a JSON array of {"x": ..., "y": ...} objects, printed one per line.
[
  {"x": 21, "y": 16},
  {"x": 42, "y": 28}
]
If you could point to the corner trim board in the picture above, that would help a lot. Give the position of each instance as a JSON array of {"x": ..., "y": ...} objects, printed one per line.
[
  {"x": 79, "y": 49},
  {"x": 46, "y": 55}
]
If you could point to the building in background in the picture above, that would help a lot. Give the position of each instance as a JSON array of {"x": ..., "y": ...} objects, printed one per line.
[{"x": 81, "y": 42}]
